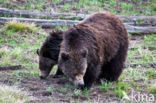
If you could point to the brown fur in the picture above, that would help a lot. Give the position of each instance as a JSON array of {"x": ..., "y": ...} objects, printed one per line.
[
  {"x": 105, "y": 39},
  {"x": 48, "y": 53}
]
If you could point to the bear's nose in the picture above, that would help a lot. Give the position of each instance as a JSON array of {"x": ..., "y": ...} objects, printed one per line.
[
  {"x": 81, "y": 85},
  {"x": 41, "y": 77}
]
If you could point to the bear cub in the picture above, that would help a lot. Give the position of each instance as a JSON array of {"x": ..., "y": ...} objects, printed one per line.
[{"x": 48, "y": 54}]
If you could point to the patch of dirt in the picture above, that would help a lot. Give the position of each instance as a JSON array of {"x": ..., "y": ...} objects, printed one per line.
[{"x": 40, "y": 89}]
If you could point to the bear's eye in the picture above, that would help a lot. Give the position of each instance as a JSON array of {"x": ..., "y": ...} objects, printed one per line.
[
  {"x": 37, "y": 51},
  {"x": 84, "y": 53},
  {"x": 64, "y": 56}
]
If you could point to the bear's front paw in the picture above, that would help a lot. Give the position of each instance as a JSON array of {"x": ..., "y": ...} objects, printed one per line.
[{"x": 56, "y": 76}]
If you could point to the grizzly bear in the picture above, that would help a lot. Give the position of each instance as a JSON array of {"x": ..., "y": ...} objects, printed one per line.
[
  {"x": 48, "y": 54},
  {"x": 94, "y": 49}
]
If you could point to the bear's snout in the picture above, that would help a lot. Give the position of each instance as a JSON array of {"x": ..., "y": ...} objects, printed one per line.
[
  {"x": 42, "y": 77},
  {"x": 81, "y": 85},
  {"x": 43, "y": 74},
  {"x": 78, "y": 81}
]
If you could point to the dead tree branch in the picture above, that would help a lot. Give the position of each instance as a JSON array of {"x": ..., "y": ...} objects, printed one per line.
[
  {"x": 131, "y": 20},
  {"x": 52, "y": 23},
  {"x": 10, "y": 67}
]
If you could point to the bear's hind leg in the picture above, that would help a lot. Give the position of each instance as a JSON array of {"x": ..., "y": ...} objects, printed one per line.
[{"x": 113, "y": 69}]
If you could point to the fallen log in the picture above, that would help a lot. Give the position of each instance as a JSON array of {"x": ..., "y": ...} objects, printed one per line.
[
  {"x": 139, "y": 20},
  {"x": 42, "y": 22},
  {"x": 140, "y": 30},
  {"x": 30, "y": 14},
  {"x": 52, "y": 23},
  {"x": 10, "y": 67},
  {"x": 131, "y": 20},
  {"x": 148, "y": 48},
  {"x": 147, "y": 65}
]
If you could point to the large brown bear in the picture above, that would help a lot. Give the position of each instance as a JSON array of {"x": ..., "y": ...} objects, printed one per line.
[
  {"x": 93, "y": 49},
  {"x": 48, "y": 54}
]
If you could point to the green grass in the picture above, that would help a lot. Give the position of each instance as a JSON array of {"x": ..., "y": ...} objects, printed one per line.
[
  {"x": 21, "y": 27},
  {"x": 30, "y": 6},
  {"x": 86, "y": 92},
  {"x": 142, "y": 55},
  {"x": 51, "y": 88},
  {"x": 151, "y": 74},
  {"x": 126, "y": 6},
  {"x": 120, "y": 88},
  {"x": 18, "y": 47},
  {"x": 13, "y": 56},
  {"x": 134, "y": 74},
  {"x": 63, "y": 90},
  {"x": 25, "y": 74},
  {"x": 105, "y": 86},
  {"x": 123, "y": 86},
  {"x": 41, "y": 6},
  {"x": 67, "y": 7},
  {"x": 119, "y": 93},
  {"x": 77, "y": 93},
  {"x": 149, "y": 40},
  {"x": 13, "y": 95},
  {"x": 61, "y": 28},
  {"x": 56, "y": 2},
  {"x": 152, "y": 89},
  {"x": 64, "y": 78},
  {"x": 112, "y": 3},
  {"x": 119, "y": 7},
  {"x": 4, "y": 1},
  {"x": 3, "y": 51}
]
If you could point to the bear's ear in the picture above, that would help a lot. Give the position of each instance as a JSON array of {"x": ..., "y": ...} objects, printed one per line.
[
  {"x": 64, "y": 56},
  {"x": 37, "y": 51},
  {"x": 84, "y": 53},
  {"x": 73, "y": 35}
]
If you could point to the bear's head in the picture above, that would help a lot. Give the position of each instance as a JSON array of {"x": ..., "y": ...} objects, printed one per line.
[
  {"x": 49, "y": 52},
  {"x": 73, "y": 57}
]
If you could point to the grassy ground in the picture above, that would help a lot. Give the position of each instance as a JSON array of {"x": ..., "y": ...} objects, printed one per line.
[
  {"x": 13, "y": 95},
  {"x": 121, "y": 7},
  {"x": 18, "y": 46}
]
